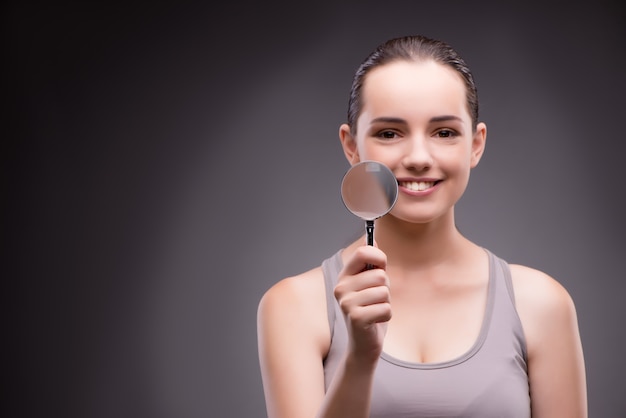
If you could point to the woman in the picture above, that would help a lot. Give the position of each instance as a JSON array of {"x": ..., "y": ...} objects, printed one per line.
[{"x": 440, "y": 327}]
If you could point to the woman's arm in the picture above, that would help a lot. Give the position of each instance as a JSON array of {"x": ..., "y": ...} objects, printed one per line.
[
  {"x": 556, "y": 365},
  {"x": 363, "y": 295},
  {"x": 294, "y": 338}
]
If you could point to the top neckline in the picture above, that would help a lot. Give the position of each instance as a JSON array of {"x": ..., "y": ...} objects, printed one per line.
[{"x": 480, "y": 339}]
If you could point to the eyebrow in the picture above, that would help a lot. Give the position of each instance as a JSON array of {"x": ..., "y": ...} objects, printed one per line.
[
  {"x": 387, "y": 119},
  {"x": 443, "y": 118}
]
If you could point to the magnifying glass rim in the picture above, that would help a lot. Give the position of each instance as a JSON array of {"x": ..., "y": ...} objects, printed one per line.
[{"x": 383, "y": 168}]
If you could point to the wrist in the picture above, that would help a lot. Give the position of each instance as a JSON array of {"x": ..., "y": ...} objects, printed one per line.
[{"x": 361, "y": 362}]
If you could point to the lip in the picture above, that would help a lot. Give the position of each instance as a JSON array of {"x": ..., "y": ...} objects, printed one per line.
[{"x": 418, "y": 193}]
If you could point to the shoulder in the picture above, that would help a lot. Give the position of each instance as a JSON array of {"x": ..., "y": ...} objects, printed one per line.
[
  {"x": 544, "y": 305},
  {"x": 539, "y": 290},
  {"x": 296, "y": 305},
  {"x": 296, "y": 292}
]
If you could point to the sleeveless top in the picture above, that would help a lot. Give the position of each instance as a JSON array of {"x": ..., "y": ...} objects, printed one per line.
[{"x": 490, "y": 380}]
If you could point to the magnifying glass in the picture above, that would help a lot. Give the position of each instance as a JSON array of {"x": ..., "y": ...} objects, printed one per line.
[{"x": 369, "y": 190}]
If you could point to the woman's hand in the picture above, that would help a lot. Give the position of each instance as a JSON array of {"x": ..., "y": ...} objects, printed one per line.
[{"x": 364, "y": 297}]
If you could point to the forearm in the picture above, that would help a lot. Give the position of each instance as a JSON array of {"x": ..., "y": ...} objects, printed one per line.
[{"x": 349, "y": 394}]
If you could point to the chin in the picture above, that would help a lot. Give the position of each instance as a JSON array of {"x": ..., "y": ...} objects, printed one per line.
[{"x": 417, "y": 218}]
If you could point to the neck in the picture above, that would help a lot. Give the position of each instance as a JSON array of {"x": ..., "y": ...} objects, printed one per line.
[{"x": 420, "y": 245}]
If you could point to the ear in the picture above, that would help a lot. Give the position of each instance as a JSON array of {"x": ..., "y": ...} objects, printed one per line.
[
  {"x": 348, "y": 143},
  {"x": 478, "y": 144}
]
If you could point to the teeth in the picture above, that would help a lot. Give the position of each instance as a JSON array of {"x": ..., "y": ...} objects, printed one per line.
[{"x": 418, "y": 186}]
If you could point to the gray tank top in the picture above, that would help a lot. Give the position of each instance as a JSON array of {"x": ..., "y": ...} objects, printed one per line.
[{"x": 488, "y": 381}]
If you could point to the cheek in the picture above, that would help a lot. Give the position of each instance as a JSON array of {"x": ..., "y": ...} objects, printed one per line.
[
  {"x": 362, "y": 149},
  {"x": 455, "y": 160},
  {"x": 368, "y": 150}
]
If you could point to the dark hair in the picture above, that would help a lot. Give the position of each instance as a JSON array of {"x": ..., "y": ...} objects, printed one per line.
[{"x": 411, "y": 48}]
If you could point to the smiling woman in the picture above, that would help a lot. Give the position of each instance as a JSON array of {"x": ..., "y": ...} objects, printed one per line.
[{"x": 440, "y": 326}]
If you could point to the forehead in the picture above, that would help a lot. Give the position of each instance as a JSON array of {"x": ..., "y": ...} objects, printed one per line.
[{"x": 410, "y": 86}]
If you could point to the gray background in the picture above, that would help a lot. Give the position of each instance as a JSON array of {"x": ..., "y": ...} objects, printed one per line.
[{"x": 165, "y": 165}]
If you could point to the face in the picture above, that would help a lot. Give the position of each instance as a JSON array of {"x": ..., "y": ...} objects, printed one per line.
[{"x": 415, "y": 121}]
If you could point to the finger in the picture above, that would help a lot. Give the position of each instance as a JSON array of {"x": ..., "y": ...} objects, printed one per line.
[
  {"x": 361, "y": 281},
  {"x": 364, "y": 256},
  {"x": 365, "y": 297},
  {"x": 364, "y": 316}
]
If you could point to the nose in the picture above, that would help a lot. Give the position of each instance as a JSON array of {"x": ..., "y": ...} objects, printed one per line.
[{"x": 418, "y": 155}]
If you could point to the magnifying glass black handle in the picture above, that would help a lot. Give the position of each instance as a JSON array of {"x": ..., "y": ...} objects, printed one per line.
[{"x": 369, "y": 229}]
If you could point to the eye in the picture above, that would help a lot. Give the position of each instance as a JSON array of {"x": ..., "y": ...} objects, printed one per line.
[
  {"x": 387, "y": 135},
  {"x": 446, "y": 133}
]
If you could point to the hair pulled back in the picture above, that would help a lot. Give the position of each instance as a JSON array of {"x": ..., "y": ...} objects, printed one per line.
[{"x": 411, "y": 48}]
